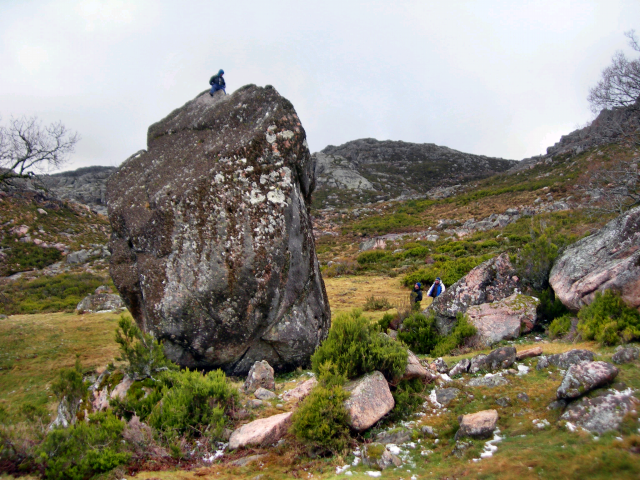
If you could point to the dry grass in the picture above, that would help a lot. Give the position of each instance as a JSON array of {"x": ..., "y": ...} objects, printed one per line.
[{"x": 346, "y": 293}]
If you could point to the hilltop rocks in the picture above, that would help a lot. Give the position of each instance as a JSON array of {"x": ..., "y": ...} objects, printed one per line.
[
  {"x": 213, "y": 250},
  {"x": 505, "y": 319},
  {"x": 607, "y": 260},
  {"x": 489, "y": 282},
  {"x": 370, "y": 400},
  {"x": 584, "y": 377}
]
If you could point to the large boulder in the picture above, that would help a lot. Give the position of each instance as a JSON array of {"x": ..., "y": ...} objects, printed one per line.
[
  {"x": 601, "y": 414},
  {"x": 504, "y": 319},
  {"x": 489, "y": 282},
  {"x": 477, "y": 425},
  {"x": 607, "y": 260},
  {"x": 565, "y": 360},
  {"x": 583, "y": 377},
  {"x": 212, "y": 245},
  {"x": 370, "y": 399},
  {"x": 100, "y": 301},
  {"x": 262, "y": 432}
]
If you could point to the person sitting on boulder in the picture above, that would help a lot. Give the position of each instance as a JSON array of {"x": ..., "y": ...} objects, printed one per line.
[
  {"x": 416, "y": 293},
  {"x": 217, "y": 83},
  {"x": 436, "y": 289}
]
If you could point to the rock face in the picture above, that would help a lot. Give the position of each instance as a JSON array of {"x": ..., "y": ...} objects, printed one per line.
[
  {"x": 477, "y": 425},
  {"x": 625, "y": 355},
  {"x": 212, "y": 249},
  {"x": 489, "y": 282},
  {"x": 100, "y": 301},
  {"x": 600, "y": 414},
  {"x": 415, "y": 369},
  {"x": 260, "y": 376},
  {"x": 300, "y": 392},
  {"x": 370, "y": 400},
  {"x": 85, "y": 185},
  {"x": 497, "y": 359},
  {"x": 505, "y": 319},
  {"x": 584, "y": 377},
  {"x": 607, "y": 260},
  {"x": 461, "y": 367},
  {"x": 261, "y": 432},
  {"x": 566, "y": 359}
]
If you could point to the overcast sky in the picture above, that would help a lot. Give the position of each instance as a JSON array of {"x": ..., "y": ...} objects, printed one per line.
[{"x": 498, "y": 78}]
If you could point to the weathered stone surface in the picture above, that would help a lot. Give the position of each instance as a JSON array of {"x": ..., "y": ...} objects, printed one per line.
[
  {"x": 100, "y": 301},
  {"x": 120, "y": 390},
  {"x": 600, "y": 414},
  {"x": 477, "y": 425},
  {"x": 445, "y": 396},
  {"x": 489, "y": 282},
  {"x": 264, "y": 431},
  {"x": 244, "y": 461},
  {"x": 497, "y": 359},
  {"x": 100, "y": 400},
  {"x": 395, "y": 436},
  {"x": 81, "y": 256},
  {"x": 212, "y": 249},
  {"x": 565, "y": 360},
  {"x": 607, "y": 260},
  {"x": 461, "y": 367},
  {"x": 625, "y": 355},
  {"x": 440, "y": 365},
  {"x": 529, "y": 353},
  {"x": 370, "y": 400},
  {"x": 584, "y": 377},
  {"x": 85, "y": 185},
  {"x": 504, "y": 319},
  {"x": 416, "y": 370},
  {"x": 376, "y": 455},
  {"x": 264, "y": 394},
  {"x": 491, "y": 381},
  {"x": 260, "y": 375},
  {"x": 300, "y": 391},
  {"x": 477, "y": 363}
]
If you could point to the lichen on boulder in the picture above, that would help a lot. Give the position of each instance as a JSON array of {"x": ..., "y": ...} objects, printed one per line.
[{"x": 212, "y": 245}]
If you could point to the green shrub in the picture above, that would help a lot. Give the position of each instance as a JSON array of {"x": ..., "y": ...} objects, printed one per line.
[
  {"x": 338, "y": 269},
  {"x": 23, "y": 256},
  {"x": 419, "y": 332},
  {"x": 381, "y": 224},
  {"x": 456, "y": 338},
  {"x": 385, "y": 322},
  {"x": 373, "y": 256},
  {"x": 450, "y": 270},
  {"x": 140, "y": 400},
  {"x": 549, "y": 307},
  {"x": 560, "y": 326},
  {"x": 534, "y": 262},
  {"x": 416, "y": 252},
  {"x": 609, "y": 320},
  {"x": 84, "y": 449},
  {"x": 193, "y": 403},
  {"x": 374, "y": 303},
  {"x": 321, "y": 419},
  {"x": 356, "y": 346},
  {"x": 143, "y": 353},
  {"x": 409, "y": 397}
]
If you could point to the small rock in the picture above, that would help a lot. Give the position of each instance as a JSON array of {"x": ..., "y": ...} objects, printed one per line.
[
  {"x": 264, "y": 431},
  {"x": 395, "y": 436},
  {"x": 498, "y": 359},
  {"x": 445, "y": 396},
  {"x": 416, "y": 370},
  {"x": 557, "y": 405},
  {"x": 120, "y": 390},
  {"x": 301, "y": 391},
  {"x": 477, "y": 425},
  {"x": 528, "y": 353},
  {"x": 370, "y": 400},
  {"x": 503, "y": 401},
  {"x": 376, "y": 455},
  {"x": 476, "y": 363},
  {"x": 584, "y": 377},
  {"x": 264, "y": 394},
  {"x": 460, "y": 448},
  {"x": 428, "y": 432},
  {"x": 260, "y": 375},
  {"x": 493, "y": 381},
  {"x": 461, "y": 367},
  {"x": 254, "y": 403},
  {"x": 243, "y": 462},
  {"x": 441, "y": 366},
  {"x": 625, "y": 355},
  {"x": 523, "y": 397}
]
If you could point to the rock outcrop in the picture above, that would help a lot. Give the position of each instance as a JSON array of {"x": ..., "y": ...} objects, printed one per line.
[
  {"x": 565, "y": 360},
  {"x": 584, "y": 377},
  {"x": 85, "y": 185},
  {"x": 607, "y": 260},
  {"x": 212, "y": 245},
  {"x": 601, "y": 414},
  {"x": 100, "y": 301},
  {"x": 477, "y": 425},
  {"x": 262, "y": 432},
  {"x": 505, "y": 319},
  {"x": 489, "y": 282}
]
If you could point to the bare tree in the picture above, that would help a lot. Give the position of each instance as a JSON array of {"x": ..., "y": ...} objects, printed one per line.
[
  {"x": 27, "y": 147},
  {"x": 620, "y": 83}
]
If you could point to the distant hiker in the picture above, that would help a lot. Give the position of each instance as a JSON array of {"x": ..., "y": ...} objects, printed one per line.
[
  {"x": 416, "y": 293},
  {"x": 436, "y": 289},
  {"x": 217, "y": 83}
]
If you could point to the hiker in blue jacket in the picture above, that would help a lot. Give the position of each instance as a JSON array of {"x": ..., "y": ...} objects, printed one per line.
[
  {"x": 217, "y": 83},
  {"x": 436, "y": 289}
]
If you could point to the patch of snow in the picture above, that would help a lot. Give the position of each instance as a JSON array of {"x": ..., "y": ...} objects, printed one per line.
[
  {"x": 355, "y": 462},
  {"x": 523, "y": 370},
  {"x": 445, "y": 377},
  {"x": 394, "y": 449},
  {"x": 373, "y": 474},
  {"x": 344, "y": 468},
  {"x": 434, "y": 398}
]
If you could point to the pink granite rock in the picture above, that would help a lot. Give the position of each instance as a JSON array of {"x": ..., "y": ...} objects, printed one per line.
[
  {"x": 477, "y": 425},
  {"x": 300, "y": 392},
  {"x": 370, "y": 400},
  {"x": 264, "y": 431},
  {"x": 584, "y": 377}
]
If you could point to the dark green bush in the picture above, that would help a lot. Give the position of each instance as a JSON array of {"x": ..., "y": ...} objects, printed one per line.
[
  {"x": 84, "y": 449},
  {"x": 373, "y": 303},
  {"x": 385, "y": 321},
  {"x": 373, "y": 256},
  {"x": 381, "y": 224},
  {"x": 609, "y": 320},
  {"x": 140, "y": 400},
  {"x": 409, "y": 397},
  {"x": 321, "y": 419},
  {"x": 193, "y": 403},
  {"x": 23, "y": 256},
  {"x": 356, "y": 346},
  {"x": 534, "y": 262},
  {"x": 456, "y": 338},
  {"x": 450, "y": 270},
  {"x": 550, "y": 307},
  {"x": 419, "y": 333},
  {"x": 560, "y": 326}
]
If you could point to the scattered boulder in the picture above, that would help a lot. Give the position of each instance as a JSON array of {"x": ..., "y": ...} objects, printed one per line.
[
  {"x": 376, "y": 455},
  {"x": 625, "y": 355},
  {"x": 523, "y": 397},
  {"x": 528, "y": 353},
  {"x": 416, "y": 370},
  {"x": 565, "y": 360},
  {"x": 262, "y": 432},
  {"x": 260, "y": 375},
  {"x": 461, "y": 367},
  {"x": 81, "y": 256},
  {"x": 395, "y": 436},
  {"x": 370, "y": 400},
  {"x": 497, "y": 359},
  {"x": 488, "y": 381},
  {"x": 264, "y": 394},
  {"x": 489, "y": 282},
  {"x": 503, "y": 401},
  {"x": 606, "y": 260},
  {"x": 504, "y": 319},
  {"x": 440, "y": 365},
  {"x": 244, "y": 461},
  {"x": 254, "y": 403},
  {"x": 300, "y": 391},
  {"x": 100, "y": 301},
  {"x": 476, "y": 363},
  {"x": 212, "y": 246},
  {"x": 477, "y": 425},
  {"x": 445, "y": 396},
  {"x": 584, "y": 377},
  {"x": 600, "y": 414},
  {"x": 429, "y": 432}
]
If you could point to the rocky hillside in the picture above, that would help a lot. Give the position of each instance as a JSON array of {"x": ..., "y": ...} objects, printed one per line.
[{"x": 366, "y": 170}]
